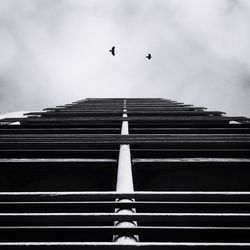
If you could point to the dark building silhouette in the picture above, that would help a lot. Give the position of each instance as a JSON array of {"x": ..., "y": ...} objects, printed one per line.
[{"x": 125, "y": 174}]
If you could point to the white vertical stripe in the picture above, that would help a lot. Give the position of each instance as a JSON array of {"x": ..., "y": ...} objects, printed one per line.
[
  {"x": 124, "y": 183},
  {"x": 124, "y": 175}
]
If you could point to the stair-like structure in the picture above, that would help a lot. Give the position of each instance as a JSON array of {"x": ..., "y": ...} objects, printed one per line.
[{"x": 64, "y": 181}]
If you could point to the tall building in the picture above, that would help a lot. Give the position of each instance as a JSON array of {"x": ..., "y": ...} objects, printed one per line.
[{"x": 125, "y": 174}]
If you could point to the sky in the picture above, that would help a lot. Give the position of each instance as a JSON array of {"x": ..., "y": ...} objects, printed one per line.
[{"x": 54, "y": 52}]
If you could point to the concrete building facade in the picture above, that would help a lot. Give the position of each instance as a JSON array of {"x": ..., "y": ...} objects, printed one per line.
[{"x": 125, "y": 173}]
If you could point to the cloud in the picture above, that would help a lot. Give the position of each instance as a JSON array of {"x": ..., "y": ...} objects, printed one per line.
[{"x": 55, "y": 52}]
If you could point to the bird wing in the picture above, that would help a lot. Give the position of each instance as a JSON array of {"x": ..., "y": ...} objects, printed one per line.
[{"x": 113, "y": 50}]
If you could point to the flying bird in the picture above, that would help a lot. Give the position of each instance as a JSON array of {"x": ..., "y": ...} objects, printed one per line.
[
  {"x": 149, "y": 56},
  {"x": 112, "y": 50}
]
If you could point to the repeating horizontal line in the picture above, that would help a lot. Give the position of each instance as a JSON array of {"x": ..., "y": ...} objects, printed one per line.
[
  {"x": 145, "y": 196},
  {"x": 134, "y": 203},
  {"x": 56, "y": 160},
  {"x": 135, "y": 118},
  {"x": 138, "y": 228},
  {"x": 127, "y": 245},
  {"x": 135, "y": 215},
  {"x": 186, "y": 160},
  {"x": 130, "y": 136}
]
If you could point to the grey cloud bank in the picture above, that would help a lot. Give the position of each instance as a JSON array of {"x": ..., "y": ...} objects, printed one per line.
[{"x": 56, "y": 51}]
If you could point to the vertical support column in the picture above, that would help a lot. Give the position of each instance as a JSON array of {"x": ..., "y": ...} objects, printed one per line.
[
  {"x": 125, "y": 183},
  {"x": 124, "y": 175}
]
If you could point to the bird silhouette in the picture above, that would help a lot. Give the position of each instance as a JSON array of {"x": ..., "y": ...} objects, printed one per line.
[
  {"x": 149, "y": 56},
  {"x": 112, "y": 50}
]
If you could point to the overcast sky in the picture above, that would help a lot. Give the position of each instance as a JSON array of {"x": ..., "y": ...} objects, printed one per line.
[{"x": 54, "y": 52}]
